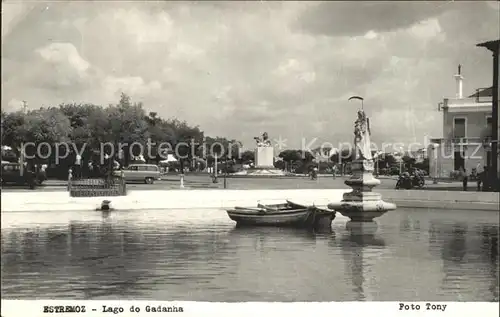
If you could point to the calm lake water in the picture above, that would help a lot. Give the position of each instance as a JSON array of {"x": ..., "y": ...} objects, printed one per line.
[{"x": 416, "y": 255}]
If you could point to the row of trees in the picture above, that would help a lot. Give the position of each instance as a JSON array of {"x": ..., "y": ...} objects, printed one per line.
[
  {"x": 86, "y": 127},
  {"x": 301, "y": 161}
]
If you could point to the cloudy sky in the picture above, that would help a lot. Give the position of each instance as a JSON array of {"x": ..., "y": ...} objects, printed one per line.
[{"x": 238, "y": 69}]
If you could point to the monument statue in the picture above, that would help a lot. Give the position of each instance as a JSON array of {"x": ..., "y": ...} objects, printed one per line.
[
  {"x": 263, "y": 141},
  {"x": 362, "y": 133}
]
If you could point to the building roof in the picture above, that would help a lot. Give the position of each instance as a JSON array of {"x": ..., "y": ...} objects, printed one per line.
[
  {"x": 486, "y": 92},
  {"x": 491, "y": 45}
]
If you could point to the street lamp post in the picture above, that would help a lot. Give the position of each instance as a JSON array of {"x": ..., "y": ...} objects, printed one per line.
[
  {"x": 225, "y": 173},
  {"x": 182, "y": 172},
  {"x": 494, "y": 47},
  {"x": 181, "y": 163},
  {"x": 435, "y": 149},
  {"x": 215, "y": 166}
]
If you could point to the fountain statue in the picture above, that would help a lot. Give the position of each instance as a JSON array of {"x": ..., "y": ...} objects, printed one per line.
[
  {"x": 362, "y": 138},
  {"x": 362, "y": 205},
  {"x": 263, "y": 141}
]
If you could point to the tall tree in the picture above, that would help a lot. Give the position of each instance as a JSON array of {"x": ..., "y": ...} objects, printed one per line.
[
  {"x": 45, "y": 126},
  {"x": 343, "y": 158},
  {"x": 247, "y": 156},
  {"x": 12, "y": 124}
]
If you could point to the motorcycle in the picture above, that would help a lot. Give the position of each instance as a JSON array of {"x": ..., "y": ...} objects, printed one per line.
[
  {"x": 407, "y": 181},
  {"x": 418, "y": 181},
  {"x": 404, "y": 181}
]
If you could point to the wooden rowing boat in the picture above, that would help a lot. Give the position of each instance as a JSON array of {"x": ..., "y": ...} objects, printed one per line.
[{"x": 287, "y": 214}]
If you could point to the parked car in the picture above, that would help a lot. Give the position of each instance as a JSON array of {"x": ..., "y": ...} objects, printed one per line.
[
  {"x": 146, "y": 173},
  {"x": 11, "y": 174}
]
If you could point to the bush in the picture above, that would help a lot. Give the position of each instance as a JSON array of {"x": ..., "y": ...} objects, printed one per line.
[{"x": 394, "y": 170}]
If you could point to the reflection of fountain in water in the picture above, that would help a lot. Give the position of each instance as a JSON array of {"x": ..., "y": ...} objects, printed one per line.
[{"x": 354, "y": 244}]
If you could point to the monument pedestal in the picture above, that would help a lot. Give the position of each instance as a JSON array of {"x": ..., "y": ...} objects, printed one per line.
[
  {"x": 264, "y": 157},
  {"x": 264, "y": 163},
  {"x": 264, "y": 160},
  {"x": 362, "y": 204}
]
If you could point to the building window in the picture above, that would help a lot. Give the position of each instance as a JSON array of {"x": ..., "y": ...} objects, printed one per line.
[
  {"x": 459, "y": 128},
  {"x": 489, "y": 125}
]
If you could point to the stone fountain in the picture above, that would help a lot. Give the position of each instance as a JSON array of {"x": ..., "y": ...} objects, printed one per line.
[{"x": 362, "y": 205}]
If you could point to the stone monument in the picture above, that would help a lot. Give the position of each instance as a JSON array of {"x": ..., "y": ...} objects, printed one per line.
[
  {"x": 264, "y": 159},
  {"x": 264, "y": 152},
  {"x": 362, "y": 205}
]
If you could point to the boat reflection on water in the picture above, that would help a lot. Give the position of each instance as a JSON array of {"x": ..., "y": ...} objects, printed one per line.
[{"x": 261, "y": 236}]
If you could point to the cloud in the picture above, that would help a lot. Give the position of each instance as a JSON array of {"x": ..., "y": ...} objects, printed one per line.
[
  {"x": 239, "y": 69},
  {"x": 62, "y": 65},
  {"x": 136, "y": 86},
  {"x": 14, "y": 105},
  {"x": 14, "y": 13},
  {"x": 358, "y": 18},
  {"x": 426, "y": 29}
]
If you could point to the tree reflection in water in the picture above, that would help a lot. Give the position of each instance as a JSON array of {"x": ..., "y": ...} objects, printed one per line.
[{"x": 92, "y": 260}]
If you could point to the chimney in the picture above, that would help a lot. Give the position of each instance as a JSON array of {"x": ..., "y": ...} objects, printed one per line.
[{"x": 459, "y": 78}]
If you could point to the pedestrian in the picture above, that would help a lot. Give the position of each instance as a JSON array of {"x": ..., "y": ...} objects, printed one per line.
[
  {"x": 77, "y": 166},
  {"x": 465, "y": 179},
  {"x": 486, "y": 179},
  {"x": 314, "y": 173},
  {"x": 334, "y": 171},
  {"x": 479, "y": 176},
  {"x": 90, "y": 168}
]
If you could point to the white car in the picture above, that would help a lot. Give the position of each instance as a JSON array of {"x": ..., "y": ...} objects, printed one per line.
[{"x": 146, "y": 173}]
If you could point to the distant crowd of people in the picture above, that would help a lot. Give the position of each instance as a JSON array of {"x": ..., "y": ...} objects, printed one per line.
[{"x": 94, "y": 168}]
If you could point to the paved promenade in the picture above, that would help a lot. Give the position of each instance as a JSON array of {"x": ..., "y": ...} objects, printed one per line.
[
  {"x": 442, "y": 196},
  {"x": 204, "y": 181}
]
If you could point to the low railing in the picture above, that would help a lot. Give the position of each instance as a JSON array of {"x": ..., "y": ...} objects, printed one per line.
[
  {"x": 96, "y": 187},
  {"x": 483, "y": 95},
  {"x": 466, "y": 140}
]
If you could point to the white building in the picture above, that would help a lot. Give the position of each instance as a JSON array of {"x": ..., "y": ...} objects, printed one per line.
[{"x": 466, "y": 137}]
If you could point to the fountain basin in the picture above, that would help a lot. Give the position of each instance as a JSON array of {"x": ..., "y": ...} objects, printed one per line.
[{"x": 362, "y": 211}]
